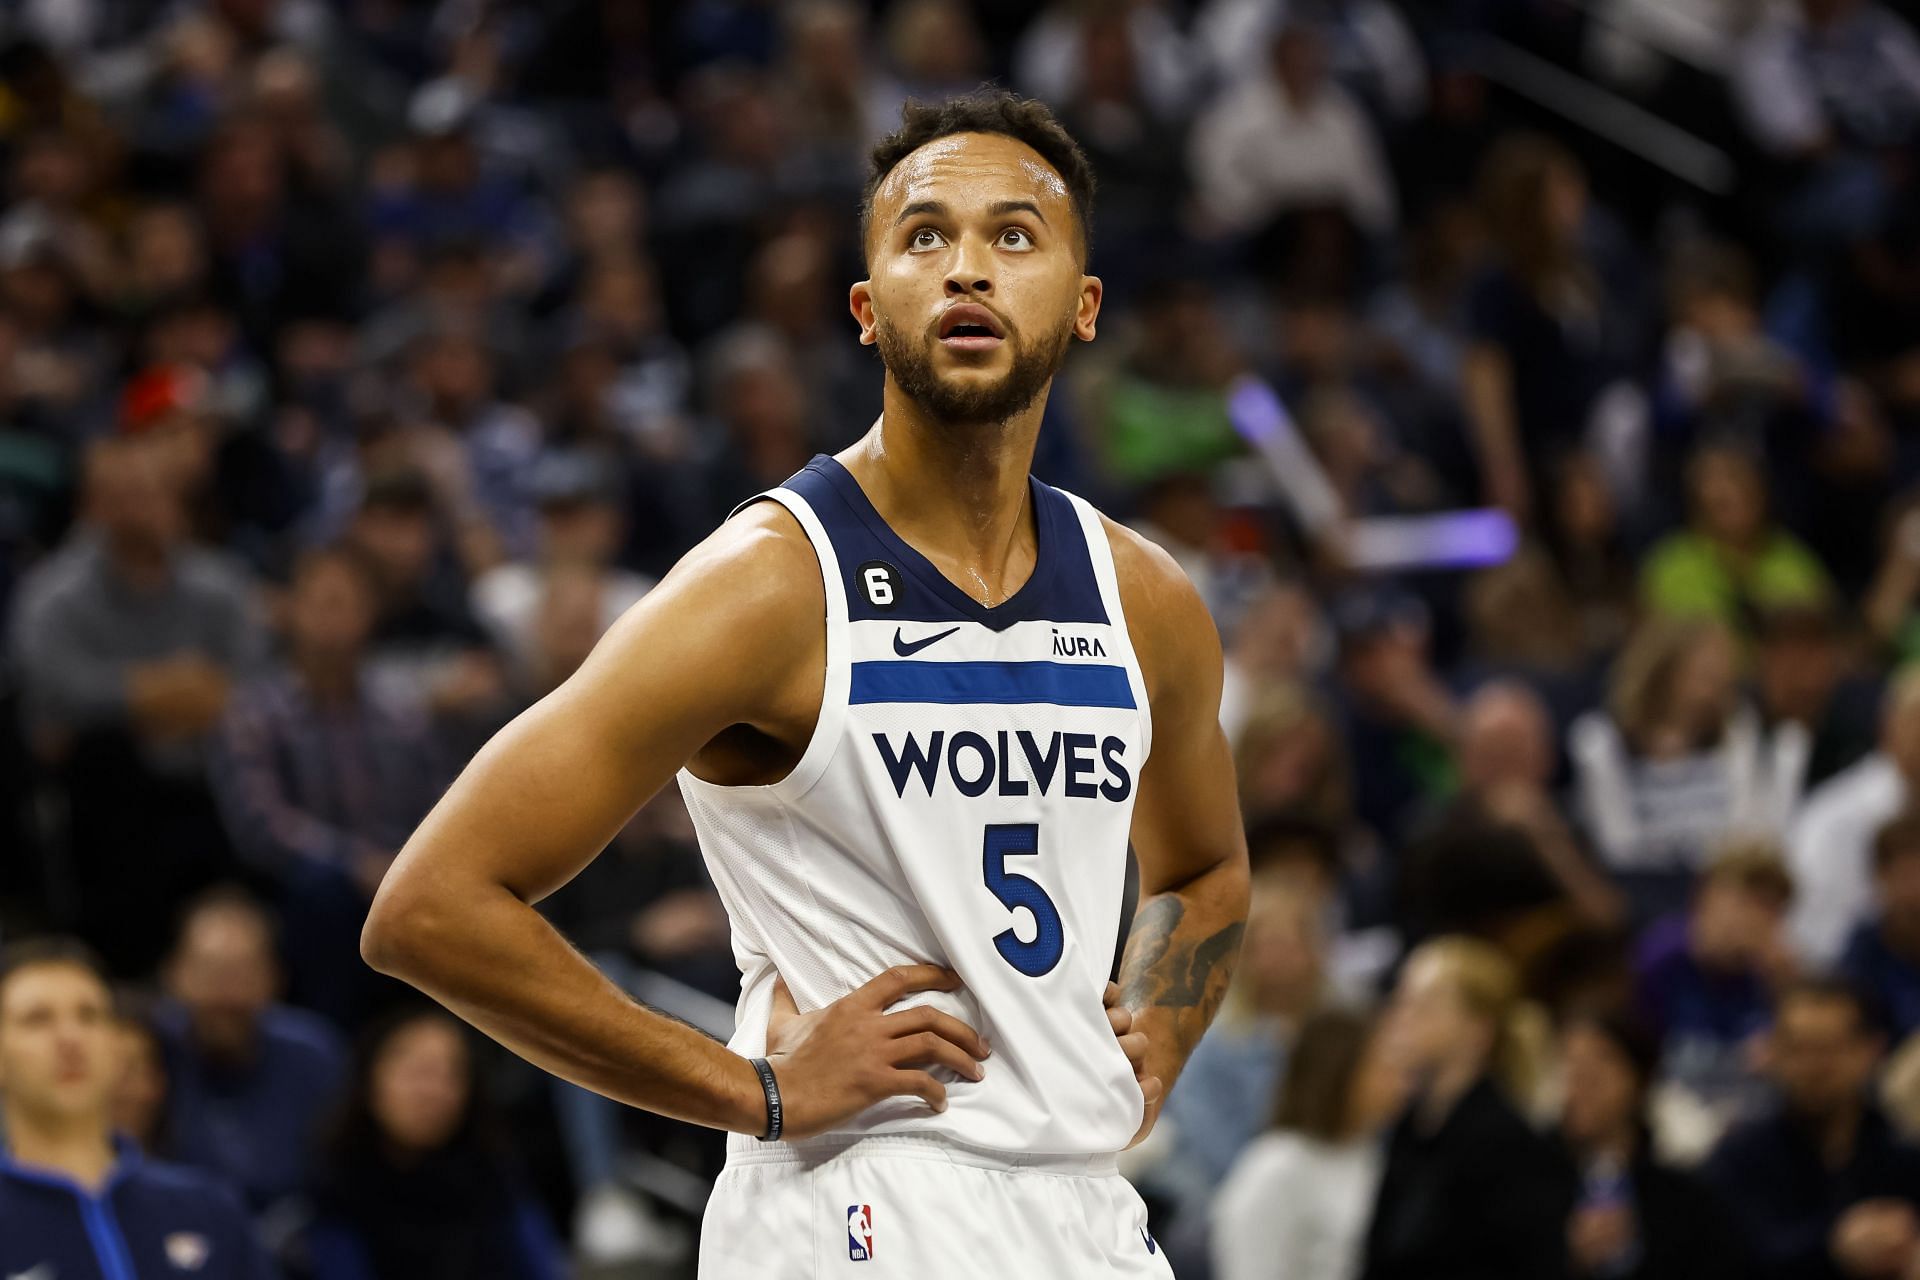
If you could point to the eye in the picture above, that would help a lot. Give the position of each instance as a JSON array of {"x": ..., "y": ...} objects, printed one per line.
[
  {"x": 1016, "y": 238},
  {"x": 925, "y": 238}
]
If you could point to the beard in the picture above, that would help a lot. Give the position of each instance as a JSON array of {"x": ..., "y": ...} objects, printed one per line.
[{"x": 910, "y": 361}]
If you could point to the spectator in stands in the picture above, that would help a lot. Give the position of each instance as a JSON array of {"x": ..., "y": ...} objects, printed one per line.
[
  {"x": 1830, "y": 845},
  {"x": 1803, "y": 690},
  {"x": 449, "y": 195},
  {"x": 1289, "y": 139},
  {"x": 1551, "y": 325},
  {"x": 1160, "y": 414},
  {"x": 1636, "y": 1218},
  {"x": 1501, "y": 861},
  {"x": 1469, "y": 1190},
  {"x": 425, "y": 635},
  {"x": 73, "y": 1201},
  {"x": 251, "y": 1081},
  {"x": 1732, "y": 562},
  {"x": 1674, "y": 763},
  {"x": 1825, "y": 87},
  {"x": 1237, "y": 1066},
  {"x": 580, "y": 526},
  {"x": 486, "y": 446},
  {"x": 129, "y": 640},
  {"x": 1883, "y": 956},
  {"x": 760, "y": 434},
  {"x": 321, "y": 774},
  {"x": 1705, "y": 981},
  {"x": 1279, "y": 640},
  {"x": 141, "y": 1099},
  {"x": 1398, "y": 718},
  {"x": 415, "y": 1183},
  {"x": 1295, "y": 1205},
  {"x": 1822, "y": 1186},
  {"x": 1289, "y": 758}
]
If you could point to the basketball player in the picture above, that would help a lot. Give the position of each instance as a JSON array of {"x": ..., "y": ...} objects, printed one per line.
[{"x": 919, "y": 703}]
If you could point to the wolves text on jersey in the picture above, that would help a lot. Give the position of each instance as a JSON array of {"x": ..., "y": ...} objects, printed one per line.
[{"x": 1009, "y": 764}]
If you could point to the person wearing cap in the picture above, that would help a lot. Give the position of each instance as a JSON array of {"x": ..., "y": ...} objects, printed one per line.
[
  {"x": 77, "y": 1202},
  {"x": 578, "y": 494}
]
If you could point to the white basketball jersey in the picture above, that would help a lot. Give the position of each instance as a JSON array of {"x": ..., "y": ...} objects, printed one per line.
[{"x": 965, "y": 800}]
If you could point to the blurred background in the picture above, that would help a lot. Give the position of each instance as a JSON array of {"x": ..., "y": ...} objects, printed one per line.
[{"x": 1532, "y": 388}]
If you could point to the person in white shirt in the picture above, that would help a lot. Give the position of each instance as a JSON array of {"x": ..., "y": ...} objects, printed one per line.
[
  {"x": 1296, "y": 1205},
  {"x": 1288, "y": 140},
  {"x": 1830, "y": 847}
]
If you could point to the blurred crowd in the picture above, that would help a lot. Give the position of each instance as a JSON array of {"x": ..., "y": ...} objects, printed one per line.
[{"x": 361, "y": 360}]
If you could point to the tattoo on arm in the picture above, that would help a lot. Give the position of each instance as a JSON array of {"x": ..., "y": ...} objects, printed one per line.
[{"x": 1167, "y": 967}]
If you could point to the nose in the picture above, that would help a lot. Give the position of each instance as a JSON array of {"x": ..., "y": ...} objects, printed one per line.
[{"x": 971, "y": 272}]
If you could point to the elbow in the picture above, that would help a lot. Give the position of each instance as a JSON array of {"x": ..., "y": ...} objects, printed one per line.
[{"x": 396, "y": 934}]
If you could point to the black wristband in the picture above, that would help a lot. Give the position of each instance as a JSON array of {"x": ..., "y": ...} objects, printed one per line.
[{"x": 772, "y": 1087}]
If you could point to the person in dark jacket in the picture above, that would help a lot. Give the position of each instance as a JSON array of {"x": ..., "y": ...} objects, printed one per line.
[
  {"x": 1470, "y": 1191},
  {"x": 1821, "y": 1186},
  {"x": 1883, "y": 956},
  {"x": 1636, "y": 1218},
  {"x": 75, "y": 1203},
  {"x": 252, "y": 1080},
  {"x": 416, "y": 1188}
]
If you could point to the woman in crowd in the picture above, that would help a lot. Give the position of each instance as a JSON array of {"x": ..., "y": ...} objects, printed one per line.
[
  {"x": 1635, "y": 1218},
  {"x": 1469, "y": 1191},
  {"x": 416, "y": 1188},
  {"x": 140, "y": 1101},
  {"x": 1676, "y": 761},
  {"x": 1295, "y": 1206}
]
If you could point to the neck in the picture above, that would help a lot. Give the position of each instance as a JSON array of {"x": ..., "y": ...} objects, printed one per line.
[
  {"x": 1836, "y": 1134},
  {"x": 961, "y": 489},
  {"x": 77, "y": 1149},
  {"x": 1617, "y": 1144},
  {"x": 141, "y": 567},
  {"x": 1449, "y": 1084},
  {"x": 327, "y": 678}
]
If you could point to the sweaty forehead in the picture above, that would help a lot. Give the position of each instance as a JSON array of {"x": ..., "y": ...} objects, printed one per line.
[{"x": 966, "y": 169}]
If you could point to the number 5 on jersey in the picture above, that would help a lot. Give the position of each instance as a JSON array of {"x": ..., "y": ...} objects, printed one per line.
[{"x": 1035, "y": 958}]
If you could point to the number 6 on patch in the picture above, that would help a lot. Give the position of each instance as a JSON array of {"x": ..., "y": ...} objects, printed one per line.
[{"x": 1035, "y": 958}]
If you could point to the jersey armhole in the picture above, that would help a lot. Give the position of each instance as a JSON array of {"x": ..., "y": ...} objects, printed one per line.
[
  {"x": 831, "y": 720},
  {"x": 1100, "y": 554}
]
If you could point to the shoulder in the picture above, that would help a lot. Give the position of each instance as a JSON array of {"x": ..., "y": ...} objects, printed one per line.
[
  {"x": 1173, "y": 634},
  {"x": 214, "y": 574},
  {"x": 304, "y": 1034},
  {"x": 57, "y": 577},
  {"x": 159, "y": 1183},
  {"x": 746, "y": 605},
  {"x": 1858, "y": 793}
]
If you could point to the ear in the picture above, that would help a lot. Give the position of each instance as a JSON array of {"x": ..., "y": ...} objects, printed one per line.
[
  {"x": 860, "y": 303},
  {"x": 1088, "y": 313}
]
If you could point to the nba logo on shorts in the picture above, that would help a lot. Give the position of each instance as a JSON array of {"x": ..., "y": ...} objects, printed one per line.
[{"x": 859, "y": 1232}]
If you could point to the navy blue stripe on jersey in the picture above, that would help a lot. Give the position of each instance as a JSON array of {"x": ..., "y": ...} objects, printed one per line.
[
  {"x": 1059, "y": 684},
  {"x": 1062, "y": 587}
]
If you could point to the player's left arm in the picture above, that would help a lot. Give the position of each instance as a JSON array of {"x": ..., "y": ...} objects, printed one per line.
[{"x": 1187, "y": 832}]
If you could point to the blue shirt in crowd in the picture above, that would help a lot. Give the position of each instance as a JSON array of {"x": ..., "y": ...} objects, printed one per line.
[
  {"x": 150, "y": 1221},
  {"x": 254, "y": 1124},
  {"x": 1704, "y": 1017},
  {"x": 1891, "y": 978}
]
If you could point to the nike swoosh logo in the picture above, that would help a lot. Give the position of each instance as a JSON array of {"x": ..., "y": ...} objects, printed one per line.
[{"x": 906, "y": 650}]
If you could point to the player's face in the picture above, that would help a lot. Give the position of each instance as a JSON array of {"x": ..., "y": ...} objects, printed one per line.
[
  {"x": 976, "y": 287},
  {"x": 59, "y": 1049}
]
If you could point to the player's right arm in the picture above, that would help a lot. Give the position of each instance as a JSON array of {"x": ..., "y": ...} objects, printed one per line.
[{"x": 734, "y": 635}]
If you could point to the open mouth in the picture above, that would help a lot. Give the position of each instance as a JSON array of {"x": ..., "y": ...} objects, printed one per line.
[{"x": 968, "y": 326}]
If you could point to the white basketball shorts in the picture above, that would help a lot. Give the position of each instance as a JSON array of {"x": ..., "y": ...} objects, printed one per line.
[{"x": 912, "y": 1208}]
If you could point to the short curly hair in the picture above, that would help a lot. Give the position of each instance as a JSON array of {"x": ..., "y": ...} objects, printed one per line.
[{"x": 986, "y": 110}]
